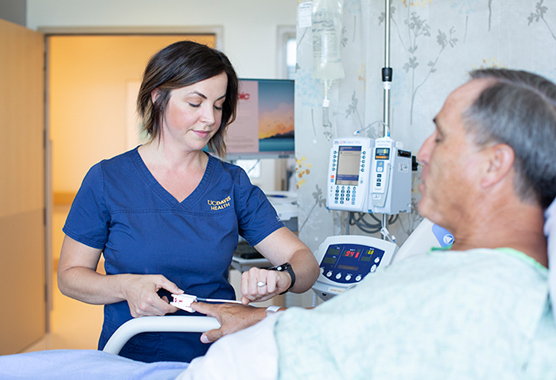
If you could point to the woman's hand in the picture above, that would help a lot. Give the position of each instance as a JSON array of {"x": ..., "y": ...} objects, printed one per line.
[
  {"x": 77, "y": 278},
  {"x": 280, "y": 247},
  {"x": 260, "y": 284},
  {"x": 140, "y": 291}
]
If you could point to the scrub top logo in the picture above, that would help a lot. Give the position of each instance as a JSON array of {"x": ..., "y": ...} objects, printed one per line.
[{"x": 219, "y": 205}]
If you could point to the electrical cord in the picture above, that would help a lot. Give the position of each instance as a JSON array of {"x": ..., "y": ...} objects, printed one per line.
[{"x": 358, "y": 219}]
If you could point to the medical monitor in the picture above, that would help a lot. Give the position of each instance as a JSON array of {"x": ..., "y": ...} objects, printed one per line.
[
  {"x": 264, "y": 126},
  {"x": 345, "y": 260}
]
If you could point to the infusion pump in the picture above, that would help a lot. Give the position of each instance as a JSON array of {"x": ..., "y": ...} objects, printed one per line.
[
  {"x": 366, "y": 175},
  {"x": 348, "y": 173}
]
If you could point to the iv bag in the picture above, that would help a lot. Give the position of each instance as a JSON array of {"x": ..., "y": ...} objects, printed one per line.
[{"x": 327, "y": 35}]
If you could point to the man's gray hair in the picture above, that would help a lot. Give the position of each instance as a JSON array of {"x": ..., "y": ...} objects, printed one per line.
[{"x": 519, "y": 109}]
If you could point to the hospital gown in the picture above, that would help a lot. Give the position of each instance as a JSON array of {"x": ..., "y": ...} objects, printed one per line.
[{"x": 480, "y": 314}]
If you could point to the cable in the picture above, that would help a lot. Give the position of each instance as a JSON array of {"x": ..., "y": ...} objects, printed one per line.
[
  {"x": 254, "y": 166},
  {"x": 314, "y": 299},
  {"x": 368, "y": 126},
  {"x": 358, "y": 219}
]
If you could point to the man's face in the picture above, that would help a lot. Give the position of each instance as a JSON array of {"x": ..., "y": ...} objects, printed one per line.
[{"x": 450, "y": 162}]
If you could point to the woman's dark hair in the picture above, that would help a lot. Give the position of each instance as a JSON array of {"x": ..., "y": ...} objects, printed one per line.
[{"x": 178, "y": 65}]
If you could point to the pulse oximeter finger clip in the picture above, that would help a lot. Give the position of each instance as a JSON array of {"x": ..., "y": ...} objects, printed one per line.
[{"x": 184, "y": 301}]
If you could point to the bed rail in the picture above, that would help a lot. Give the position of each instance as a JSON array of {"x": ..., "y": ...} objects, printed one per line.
[{"x": 157, "y": 324}]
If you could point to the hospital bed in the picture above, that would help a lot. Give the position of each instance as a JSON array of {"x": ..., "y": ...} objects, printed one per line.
[
  {"x": 71, "y": 364},
  {"x": 107, "y": 364}
]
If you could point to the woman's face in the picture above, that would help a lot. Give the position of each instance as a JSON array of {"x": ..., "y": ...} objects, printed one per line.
[{"x": 194, "y": 113}]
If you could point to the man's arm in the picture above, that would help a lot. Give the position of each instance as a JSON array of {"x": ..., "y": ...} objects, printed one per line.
[{"x": 232, "y": 318}]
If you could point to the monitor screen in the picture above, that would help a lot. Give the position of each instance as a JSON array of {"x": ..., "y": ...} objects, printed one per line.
[
  {"x": 349, "y": 159},
  {"x": 264, "y": 126}
]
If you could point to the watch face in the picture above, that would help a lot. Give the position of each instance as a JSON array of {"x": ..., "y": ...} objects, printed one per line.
[{"x": 283, "y": 267}]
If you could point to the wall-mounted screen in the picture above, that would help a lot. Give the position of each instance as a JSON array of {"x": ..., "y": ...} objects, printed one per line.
[{"x": 264, "y": 126}]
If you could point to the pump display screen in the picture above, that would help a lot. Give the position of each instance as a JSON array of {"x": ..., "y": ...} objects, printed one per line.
[
  {"x": 346, "y": 263},
  {"x": 382, "y": 153},
  {"x": 349, "y": 158}
]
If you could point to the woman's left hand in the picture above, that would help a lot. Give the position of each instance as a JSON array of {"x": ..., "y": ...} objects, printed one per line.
[{"x": 260, "y": 284}]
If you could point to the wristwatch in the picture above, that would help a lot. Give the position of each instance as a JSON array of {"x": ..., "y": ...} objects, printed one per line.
[{"x": 286, "y": 267}]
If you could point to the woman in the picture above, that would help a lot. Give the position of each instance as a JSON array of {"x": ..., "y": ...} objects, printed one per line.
[{"x": 166, "y": 215}]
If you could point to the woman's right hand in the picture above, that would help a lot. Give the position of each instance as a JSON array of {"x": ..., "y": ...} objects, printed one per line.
[
  {"x": 140, "y": 291},
  {"x": 77, "y": 278}
]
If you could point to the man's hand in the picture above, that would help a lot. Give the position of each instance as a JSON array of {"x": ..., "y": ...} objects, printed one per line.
[{"x": 232, "y": 318}]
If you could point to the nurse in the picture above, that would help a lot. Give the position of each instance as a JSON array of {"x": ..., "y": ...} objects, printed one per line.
[{"x": 166, "y": 215}]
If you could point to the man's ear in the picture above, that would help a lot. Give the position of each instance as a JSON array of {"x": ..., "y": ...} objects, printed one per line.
[{"x": 501, "y": 161}]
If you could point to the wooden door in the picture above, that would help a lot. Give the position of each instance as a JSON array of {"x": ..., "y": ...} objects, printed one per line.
[{"x": 22, "y": 188}]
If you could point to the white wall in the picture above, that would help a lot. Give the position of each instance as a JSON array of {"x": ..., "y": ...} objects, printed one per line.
[
  {"x": 249, "y": 25},
  {"x": 13, "y": 11}
]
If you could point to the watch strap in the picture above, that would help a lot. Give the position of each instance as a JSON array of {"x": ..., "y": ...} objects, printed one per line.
[{"x": 286, "y": 267}]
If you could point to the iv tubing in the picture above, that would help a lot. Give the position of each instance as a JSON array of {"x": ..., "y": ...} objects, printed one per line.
[{"x": 325, "y": 104}]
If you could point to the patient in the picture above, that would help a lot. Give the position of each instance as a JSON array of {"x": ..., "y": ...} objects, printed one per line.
[{"x": 477, "y": 311}]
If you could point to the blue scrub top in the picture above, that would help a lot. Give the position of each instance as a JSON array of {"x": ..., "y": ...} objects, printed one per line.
[{"x": 142, "y": 229}]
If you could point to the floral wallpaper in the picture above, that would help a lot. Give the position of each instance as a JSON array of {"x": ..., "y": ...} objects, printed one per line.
[{"x": 433, "y": 45}]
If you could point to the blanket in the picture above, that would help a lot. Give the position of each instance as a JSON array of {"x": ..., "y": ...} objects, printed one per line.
[{"x": 83, "y": 365}]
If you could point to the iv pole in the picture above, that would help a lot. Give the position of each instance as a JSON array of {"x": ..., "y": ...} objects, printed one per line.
[{"x": 386, "y": 81}]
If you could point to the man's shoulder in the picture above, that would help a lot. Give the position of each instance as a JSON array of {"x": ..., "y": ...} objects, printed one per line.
[
  {"x": 487, "y": 258},
  {"x": 472, "y": 269}
]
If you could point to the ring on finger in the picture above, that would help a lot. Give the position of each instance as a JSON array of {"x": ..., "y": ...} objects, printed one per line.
[{"x": 260, "y": 284}]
